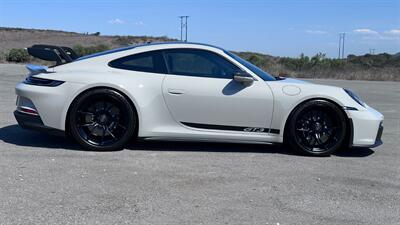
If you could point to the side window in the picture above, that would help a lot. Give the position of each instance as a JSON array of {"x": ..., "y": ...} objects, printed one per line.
[
  {"x": 201, "y": 63},
  {"x": 152, "y": 62}
]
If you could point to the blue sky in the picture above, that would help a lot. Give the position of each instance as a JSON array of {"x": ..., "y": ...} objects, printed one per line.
[{"x": 283, "y": 28}]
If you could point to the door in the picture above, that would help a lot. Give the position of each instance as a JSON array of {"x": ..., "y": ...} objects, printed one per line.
[{"x": 200, "y": 92}]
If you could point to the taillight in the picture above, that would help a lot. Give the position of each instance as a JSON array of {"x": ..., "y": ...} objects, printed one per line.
[
  {"x": 25, "y": 105},
  {"x": 28, "y": 110},
  {"x": 31, "y": 80}
]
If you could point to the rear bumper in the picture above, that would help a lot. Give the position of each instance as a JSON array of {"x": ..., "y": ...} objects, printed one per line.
[
  {"x": 51, "y": 103},
  {"x": 33, "y": 122}
]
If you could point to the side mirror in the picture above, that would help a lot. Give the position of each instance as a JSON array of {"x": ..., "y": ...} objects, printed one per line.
[{"x": 243, "y": 78}]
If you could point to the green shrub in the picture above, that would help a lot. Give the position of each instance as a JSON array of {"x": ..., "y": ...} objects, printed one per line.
[
  {"x": 18, "y": 55},
  {"x": 378, "y": 60},
  {"x": 81, "y": 50}
]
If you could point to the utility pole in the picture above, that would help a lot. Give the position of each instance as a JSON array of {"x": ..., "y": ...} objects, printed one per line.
[
  {"x": 372, "y": 51},
  {"x": 341, "y": 45},
  {"x": 344, "y": 34},
  {"x": 184, "y": 30}
]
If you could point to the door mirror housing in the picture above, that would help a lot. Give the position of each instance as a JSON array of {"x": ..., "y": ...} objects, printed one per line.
[{"x": 243, "y": 78}]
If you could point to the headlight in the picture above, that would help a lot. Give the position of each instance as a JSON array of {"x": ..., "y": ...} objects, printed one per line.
[
  {"x": 355, "y": 97},
  {"x": 42, "y": 82}
]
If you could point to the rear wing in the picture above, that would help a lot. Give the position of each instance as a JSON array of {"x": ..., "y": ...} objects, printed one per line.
[
  {"x": 37, "y": 69},
  {"x": 58, "y": 54}
]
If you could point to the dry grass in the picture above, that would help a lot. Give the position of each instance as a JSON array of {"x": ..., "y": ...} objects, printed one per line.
[
  {"x": 382, "y": 67},
  {"x": 22, "y": 38}
]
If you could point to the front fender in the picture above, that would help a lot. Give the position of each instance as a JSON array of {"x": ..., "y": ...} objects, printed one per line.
[{"x": 284, "y": 104}]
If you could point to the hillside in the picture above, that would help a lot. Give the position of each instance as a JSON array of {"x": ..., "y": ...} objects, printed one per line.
[
  {"x": 367, "y": 67},
  {"x": 21, "y": 38},
  {"x": 383, "y": 67}
]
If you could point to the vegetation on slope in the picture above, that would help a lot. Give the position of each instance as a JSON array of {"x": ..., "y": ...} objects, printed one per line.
[{"x": 367, "y": 67}]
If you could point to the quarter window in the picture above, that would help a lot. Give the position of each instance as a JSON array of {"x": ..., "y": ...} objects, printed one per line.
[
  {"x": 151, "y": 62},
  {"x": 201, "y": 63}
]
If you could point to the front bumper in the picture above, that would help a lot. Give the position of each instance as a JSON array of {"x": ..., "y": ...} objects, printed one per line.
[
  {"x": 367, "y": 127},
  {"x": 378, "y": 140},
  {"x": 34, "y": 122}
]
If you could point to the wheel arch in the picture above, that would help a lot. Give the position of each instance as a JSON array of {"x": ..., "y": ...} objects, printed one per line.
[
  {"x": 119, "y": 90},
  {"x": 349, "y": 123}
]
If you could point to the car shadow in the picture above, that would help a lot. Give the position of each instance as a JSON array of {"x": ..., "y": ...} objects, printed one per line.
[
  {"x": 355, "y": 152},
  {"x": 233, "y": 147},
  {"x": 14, "y": 134},
  {"x": 187, "y": 146}
]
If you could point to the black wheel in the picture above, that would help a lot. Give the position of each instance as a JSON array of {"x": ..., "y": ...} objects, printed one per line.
[
  {"x": 102, "y": 120},
  {"x": 317, "y": 128}
]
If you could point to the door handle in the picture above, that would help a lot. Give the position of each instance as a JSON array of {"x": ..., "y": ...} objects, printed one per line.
[{"x": 176, "y": 91}]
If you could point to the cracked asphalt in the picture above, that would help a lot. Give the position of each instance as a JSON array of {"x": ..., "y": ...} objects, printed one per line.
[{"x": 50, "y": 180}]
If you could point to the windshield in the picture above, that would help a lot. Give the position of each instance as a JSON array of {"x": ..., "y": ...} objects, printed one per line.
[{"x": 259, "y": 72}]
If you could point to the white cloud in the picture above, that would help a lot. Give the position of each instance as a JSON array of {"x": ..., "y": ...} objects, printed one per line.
[
  {"x": 116, "y": 21},
  {"x": 382, "y": 37},
  {"x": 393, "y": 32},
  {"x": 139, "y": 23},
  {"x": 389, "y": 35},
  {"x": 316, "y": 32},
  {"x": 364, "y": 31}
]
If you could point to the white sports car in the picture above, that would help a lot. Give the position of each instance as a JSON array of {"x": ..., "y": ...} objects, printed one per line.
[{"x": 186, "y": 91}]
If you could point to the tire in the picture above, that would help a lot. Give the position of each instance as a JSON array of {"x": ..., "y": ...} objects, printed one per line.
[
  {"x": 316, "y": 128},
  {"x": 102, "y": 120}
]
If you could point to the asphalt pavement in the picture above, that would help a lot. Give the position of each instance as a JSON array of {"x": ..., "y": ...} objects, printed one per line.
[{"x": 50, "y": 180}]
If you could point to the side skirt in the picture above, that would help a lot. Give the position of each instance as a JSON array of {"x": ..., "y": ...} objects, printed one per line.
[{"x": 232, "y": 128}]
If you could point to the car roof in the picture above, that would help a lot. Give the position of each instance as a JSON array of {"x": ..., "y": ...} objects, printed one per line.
[{"x": 144, "y": 45}]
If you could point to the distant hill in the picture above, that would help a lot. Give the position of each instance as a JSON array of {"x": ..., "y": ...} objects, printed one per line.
[
  {"x": 382, "y": 66},
  {"x": 21, "y": 38},
  {"x": 366, "y": 67}
]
